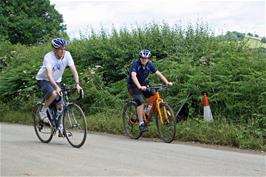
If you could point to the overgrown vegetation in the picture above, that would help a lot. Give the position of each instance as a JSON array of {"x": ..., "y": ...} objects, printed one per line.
[{"x": 193, "y": 58}]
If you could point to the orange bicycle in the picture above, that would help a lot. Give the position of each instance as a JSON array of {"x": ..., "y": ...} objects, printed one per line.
[{"x": 163, "y": 113}]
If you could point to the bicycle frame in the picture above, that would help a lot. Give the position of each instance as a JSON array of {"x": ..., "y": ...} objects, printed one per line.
[
  {"x": 155, "y": 101},
  {"x": 56, "y": 119}
]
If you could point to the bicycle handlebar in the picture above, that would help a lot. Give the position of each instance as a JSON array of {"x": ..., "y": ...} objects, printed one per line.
[
  {"x": 157, "y": 88},
  {"x": 67, "y": 91}
]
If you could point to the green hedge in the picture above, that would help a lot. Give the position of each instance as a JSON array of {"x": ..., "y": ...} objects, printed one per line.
[{"x": 193, "y": 58}]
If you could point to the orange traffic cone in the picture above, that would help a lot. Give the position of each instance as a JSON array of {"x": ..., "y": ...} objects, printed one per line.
[{"x": 207, "y": 114}]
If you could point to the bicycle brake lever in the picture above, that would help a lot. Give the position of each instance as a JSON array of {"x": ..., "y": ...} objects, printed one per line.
[
  {"x": 148, "y": 89},
  {"x": 81, "y": 94}
]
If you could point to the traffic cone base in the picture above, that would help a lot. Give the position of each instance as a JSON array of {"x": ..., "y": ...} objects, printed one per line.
[{"x": 207, "y": 114}]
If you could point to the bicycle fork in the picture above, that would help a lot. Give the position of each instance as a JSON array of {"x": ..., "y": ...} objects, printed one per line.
[{"x": 158, "y": 104}]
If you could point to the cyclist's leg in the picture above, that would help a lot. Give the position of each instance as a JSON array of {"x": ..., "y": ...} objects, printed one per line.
[
  {"x": 59, "y": 105},
  {"x": 48, "y": 92},
  {"x": 49, "y": 96},
  {"x": 139, "y": 98},
  {"x": 59, "y": 102}
]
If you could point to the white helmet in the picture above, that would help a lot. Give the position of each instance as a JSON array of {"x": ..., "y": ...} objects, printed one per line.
[
  {"x": 144, "y": 53},
  {"x": 58, "y": 43}
]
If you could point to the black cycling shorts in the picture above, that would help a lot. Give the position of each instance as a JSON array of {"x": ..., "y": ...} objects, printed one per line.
[{"x": 138, "y": 95}]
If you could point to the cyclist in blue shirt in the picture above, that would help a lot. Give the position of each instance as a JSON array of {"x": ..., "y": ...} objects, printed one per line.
[{"x": 137, "y": 84}]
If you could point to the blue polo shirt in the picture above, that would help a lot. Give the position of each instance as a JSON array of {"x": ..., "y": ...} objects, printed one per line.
[{"x": 142, "y": 72}]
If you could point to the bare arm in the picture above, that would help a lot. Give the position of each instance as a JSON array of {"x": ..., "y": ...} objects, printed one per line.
[
  {"x": 52, "y": 81},
  {"x": 74, "y": 73},
  {"x": 162, "y": 78},
  {"x": 76, "y": 76},
  {"x": 136, "y": 81}
]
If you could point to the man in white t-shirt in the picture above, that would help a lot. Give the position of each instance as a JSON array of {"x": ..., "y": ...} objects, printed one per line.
[{"x": 50, "y": 75}]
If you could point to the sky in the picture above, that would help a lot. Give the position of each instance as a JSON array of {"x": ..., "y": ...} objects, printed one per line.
[{"x": 80, "y": 16}]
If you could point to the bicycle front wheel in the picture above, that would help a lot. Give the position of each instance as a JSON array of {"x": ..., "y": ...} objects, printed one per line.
[
  {"x": 166, "y": 123},
  {"x": 75, "y": 125},
  {"x": 43, "y": 131},
  {"x": 130, "y": 120}
]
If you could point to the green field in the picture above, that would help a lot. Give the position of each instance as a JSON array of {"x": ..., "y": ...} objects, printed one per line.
[{"x": 255, "y": 42}]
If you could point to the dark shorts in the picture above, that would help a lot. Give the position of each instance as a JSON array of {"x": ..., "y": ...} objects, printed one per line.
[
  {"x": 138, "y": 95},
  {"x": 47, "y": 90}
]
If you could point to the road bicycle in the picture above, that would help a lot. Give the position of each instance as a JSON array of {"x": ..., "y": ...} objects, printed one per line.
[
  {"x": 72, "y": 117},
  {"x": 160, "y": 110}
]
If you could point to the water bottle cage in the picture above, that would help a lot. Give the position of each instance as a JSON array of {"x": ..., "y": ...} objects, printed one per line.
[
  {"x": 148, "y": 109},
  {"x": 59, "y": 113}
]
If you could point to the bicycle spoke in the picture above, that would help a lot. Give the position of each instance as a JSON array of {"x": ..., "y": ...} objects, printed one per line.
[
  {"x": 130, "y": 121},
  {"x": 166, "y": 123},
  {"x": 43, "y": 131},
  {"x": 75, "y": 125}
]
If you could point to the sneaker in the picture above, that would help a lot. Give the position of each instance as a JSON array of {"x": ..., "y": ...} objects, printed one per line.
[
  {"x": 60, "y": 131},
  {"x": 60, "y": 134},
  {"x": 143, "y": 127},
  {"x": 44, "y": 118}
]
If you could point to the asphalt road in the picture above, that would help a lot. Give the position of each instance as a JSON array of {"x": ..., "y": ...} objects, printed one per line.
[{"x": 22, "y": 154}]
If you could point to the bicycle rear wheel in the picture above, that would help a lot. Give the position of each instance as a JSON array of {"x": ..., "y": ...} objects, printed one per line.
[
  {"x": 43, "y": 131},
  {"x": 130, "y": 120},
  {"x": 75, "y": 125},
  {"x": 167, "y": 126}
]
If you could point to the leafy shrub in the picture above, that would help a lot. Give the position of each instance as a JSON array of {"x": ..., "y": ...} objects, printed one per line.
[{"x": 197, "y": 61}]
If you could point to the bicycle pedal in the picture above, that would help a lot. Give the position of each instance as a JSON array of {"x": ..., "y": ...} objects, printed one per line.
[
  {"x": 40, "y": 127},
  {"x": 69, "y": 134},
  {"x": 60, "y": 134},
  {"x": 46, "y": 124},
  {"x": 133, "y": 121}
]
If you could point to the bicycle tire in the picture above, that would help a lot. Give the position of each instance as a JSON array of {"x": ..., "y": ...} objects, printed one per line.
[
  {"x": 75, "y": 125},
  {"x": 166, "y": 129},
  {"x": 43, "y": 131},
  {"x": 130, "y": 120}
]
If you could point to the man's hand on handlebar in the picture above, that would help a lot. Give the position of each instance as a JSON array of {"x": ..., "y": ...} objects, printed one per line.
[
  {"x": 143, "y": 88},
  {"x": 58, "y": 91},
  {"x": 78, "y": 88},
  {"x": 169, "y": 84}
]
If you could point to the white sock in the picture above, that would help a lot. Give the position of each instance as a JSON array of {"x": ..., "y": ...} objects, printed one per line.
[
  {"x": 142, "y": 122},
  {"x": 44, "y": 109}
]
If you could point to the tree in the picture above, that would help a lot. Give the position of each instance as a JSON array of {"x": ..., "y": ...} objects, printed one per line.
[
  {"x": 249, "y": 34},
  {"x": 263, "y": 40},
  {"x": 234, "y": 35},
  {"x": 29, "y": 21}
]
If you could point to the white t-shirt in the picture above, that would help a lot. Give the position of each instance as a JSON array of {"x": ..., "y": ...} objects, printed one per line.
[{"x": 58, "y": 66}]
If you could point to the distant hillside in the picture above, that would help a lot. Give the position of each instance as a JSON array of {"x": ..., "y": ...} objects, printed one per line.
[{"x": 255, "y": 42}]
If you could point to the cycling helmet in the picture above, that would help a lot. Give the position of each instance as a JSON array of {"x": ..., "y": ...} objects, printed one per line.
[
  {"x": 144, "y": 53},
  {"x": 58, "y": 43}
]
